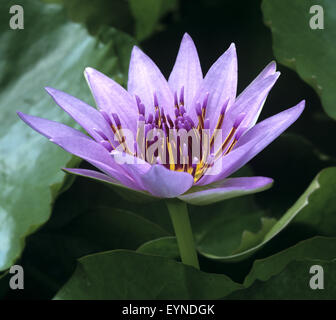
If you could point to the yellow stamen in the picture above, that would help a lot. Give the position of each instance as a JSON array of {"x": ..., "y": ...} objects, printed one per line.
[
  {"x": 225, "y": 143},
  {"x": 159, "y": 120},
  {"x": 218, "y": 126},
  {"x": 171, "y": 156},
  {"x": 200, "y": 122},
  {"x": 231, "y": 146}
]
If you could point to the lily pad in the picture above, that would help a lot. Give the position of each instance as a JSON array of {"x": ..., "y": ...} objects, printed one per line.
[
  {"x": 310, "y": 52},
  {"x": 295, "y": 165},
  {"x": 89, "y": 232},
  {"x": 147, "y": 14},
  {"x": 235, "y": 229},
  {"x": 286, "y": 275},
  {"x": 137, "y": 17},
  {"x": 317, "y": 201},
  {"x": 111, "y": 228},
  {"x": 49, "y": 51},
  {"x": 123, "y": 274},
  {"x": 164, "y": 247},
  {"x": 218, "y": 233}
]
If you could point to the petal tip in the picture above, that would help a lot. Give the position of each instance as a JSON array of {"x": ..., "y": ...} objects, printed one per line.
[
  {"x": 268, "y": 181},
  {"x": 136, "y": 51},
  {"x": 232, "y": 46},
  {"x": 26, "y": 118},
  {"x": 88, "y": 71},
  {"x": 23, "y": 117},
  {"x": 186, "y": 36},
  {"x": 273, "y": 65},
  {"x": 50, "y": 90},
  {"x": 301, "y": 105},
  {"x": 231, "y": 52}
]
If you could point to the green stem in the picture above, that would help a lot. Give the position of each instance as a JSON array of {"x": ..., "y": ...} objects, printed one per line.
[{"x": 179, "y": 214}]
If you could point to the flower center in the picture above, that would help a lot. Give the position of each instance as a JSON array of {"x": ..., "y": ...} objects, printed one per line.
[{"x": 177, "y": 143}]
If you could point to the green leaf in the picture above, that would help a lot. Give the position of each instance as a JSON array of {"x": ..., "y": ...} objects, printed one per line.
[
  {"x": 111, "y": 228},
  {"x": 319, "y": 248},
  {"x": 285, "y": 275},
  {"x": 251, "y": 239},
  {"x": 164, "y": 247},
  {"x": 320, "y": 211},
  {"x": 218, "y": 232},
  {"x": 315, "y": 207},
  {"x": 147, "y": 14},
  {"x": 98, "y": 13},
  {"x": 81, "y": 224},
  {"x": 125, "y": 274},
  {"x": 140, "y": 18},
  {"x": 49, "y": 51},
  {"x": 311, "y": 53},
  {"x": 295, "y": 165}
]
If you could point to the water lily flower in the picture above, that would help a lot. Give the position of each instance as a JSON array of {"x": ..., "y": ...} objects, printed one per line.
[{"x": 186, "y": 101}]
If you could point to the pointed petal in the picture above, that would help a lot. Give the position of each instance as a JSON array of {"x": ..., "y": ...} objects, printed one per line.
[
  {"x": 97, "y": 155},
  {"x": 118, "y": 173},
  {"x": 252, "y": 99},
  {"x": 112, "y": 98},
  {"x": 50, "y": 128},
  {"x": 145, "y": 79},
  {"x": 254, "y": 141},
  {"x": 269, "y": 70},
  {"x": 229, "y": 188},
  {"x": 96, "y": 175},
  {"x": 86, "y": 149},
  {"x": 165, "y": 183},
  {"x": 187, "y": 71},
  {"x": 87, "y": 116},
  {"x": 221, "y": 84}
]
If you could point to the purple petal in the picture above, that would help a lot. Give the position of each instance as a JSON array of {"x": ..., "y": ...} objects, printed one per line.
[
  {"x": 96, "y": 175},
  {"x": 187, "y": 71},
  {"x": 98, "y": 156},
  {"x": 221, "y": 84},
  {"x": 269, "y": 70},
  {"x": 119, "y": 173},
  {"x": 112, "y": 98},
  {"x": 165, "y": 183},
  {"x": 145, "y": 79},
  {"x": 229, "y": 188},
  {"x": 88, "y": 117},
  {"x": 252, "y": 99},
  {"x": 85, "y": 148},
  {"x": 252, "y": 142},
  {"x": 135, "y": 166},
  {"x": 65, "y": 137},
  {"x": 50, "y": 128}
]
